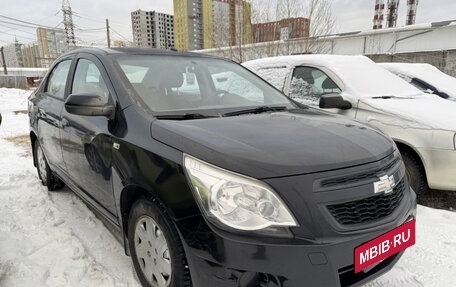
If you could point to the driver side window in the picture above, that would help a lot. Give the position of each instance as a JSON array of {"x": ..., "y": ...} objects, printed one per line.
[
  {"x": 308, "y": 84},
  {"x": 88, "y": 79}
]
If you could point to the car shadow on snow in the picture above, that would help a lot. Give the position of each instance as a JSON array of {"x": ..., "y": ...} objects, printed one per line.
[{"x": 440, "y": 199}]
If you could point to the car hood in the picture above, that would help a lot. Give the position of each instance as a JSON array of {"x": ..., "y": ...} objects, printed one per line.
[
  {"x": 423, "y": 112},
  {"x": 275, "y": 144}
]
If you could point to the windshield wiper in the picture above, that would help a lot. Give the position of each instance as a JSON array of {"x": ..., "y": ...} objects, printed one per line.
[
  {"x": 187, "y": 116},
  {"x": 257, "y": 110}
]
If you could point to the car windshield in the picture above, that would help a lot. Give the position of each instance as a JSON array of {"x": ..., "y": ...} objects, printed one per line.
[{"x": 182, "y": 85}]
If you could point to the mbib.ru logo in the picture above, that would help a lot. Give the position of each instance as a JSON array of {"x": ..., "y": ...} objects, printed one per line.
[{"x": 385, "y": 246}]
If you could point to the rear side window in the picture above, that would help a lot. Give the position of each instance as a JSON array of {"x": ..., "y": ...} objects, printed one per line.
[{"x": 57, "y": 79}]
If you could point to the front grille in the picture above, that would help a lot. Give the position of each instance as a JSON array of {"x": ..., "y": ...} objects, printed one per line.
[
  {"x": 359, "y": 176},
  {"x": 368, "y": 209}
]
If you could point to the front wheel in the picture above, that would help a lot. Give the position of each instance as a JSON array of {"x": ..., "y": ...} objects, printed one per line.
[
  {"x": 45, "y": 174},
  {"x": 155, "y": 247},
  {"x": 415, "y": 173}
]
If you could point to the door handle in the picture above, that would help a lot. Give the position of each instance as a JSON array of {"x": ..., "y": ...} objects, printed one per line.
[{"x": 64, "y": 123}]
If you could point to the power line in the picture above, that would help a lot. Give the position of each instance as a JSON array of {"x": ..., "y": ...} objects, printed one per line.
[
  {"x": 25, "y": 22},
  {"x": 76, "y": 14},
  {"x": 125, "y": 38}
]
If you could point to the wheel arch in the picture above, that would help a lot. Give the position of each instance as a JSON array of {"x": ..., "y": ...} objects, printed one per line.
[
  {"x": 409, "y": 148},
  {"x": 128, "y": 197}
]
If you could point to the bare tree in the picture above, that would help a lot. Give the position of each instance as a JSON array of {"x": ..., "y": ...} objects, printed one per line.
[
  {"x": 289, "y": 9},
  {"x": 322, "y": 23},
  {"x": 319, "y": 12},
  {"x": 232, "y": 28}
]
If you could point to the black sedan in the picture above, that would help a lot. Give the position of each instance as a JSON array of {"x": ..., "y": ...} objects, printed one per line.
[{"x": 211, "y": 177}]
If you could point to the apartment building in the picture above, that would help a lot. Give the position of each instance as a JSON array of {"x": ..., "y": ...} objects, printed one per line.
[
  {"x": 205, "y": 24},
  {"x": 289, "y": 28},
  {"x": 51, "y": 44},
  {"x": 152, "y": 29}
]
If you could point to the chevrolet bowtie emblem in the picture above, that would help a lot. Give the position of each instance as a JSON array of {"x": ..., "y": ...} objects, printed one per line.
[{"x": 385, "y": 184}]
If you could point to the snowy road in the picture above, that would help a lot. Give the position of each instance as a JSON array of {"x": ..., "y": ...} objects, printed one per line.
[{"x": 53, "y": 239}]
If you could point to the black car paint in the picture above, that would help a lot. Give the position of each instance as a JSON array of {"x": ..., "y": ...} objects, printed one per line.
[
  {"x": 112, "y": 162},
  {"x": 230, "y": 143}
]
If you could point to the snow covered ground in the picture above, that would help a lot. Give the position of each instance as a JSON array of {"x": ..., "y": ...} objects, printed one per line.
[{"x": 52, "y": 239}]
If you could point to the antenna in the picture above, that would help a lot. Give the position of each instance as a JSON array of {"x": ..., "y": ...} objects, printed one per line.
[{"x": 68, "y": 22}]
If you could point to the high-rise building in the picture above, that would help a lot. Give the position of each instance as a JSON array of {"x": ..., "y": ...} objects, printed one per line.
[
  {"x": 204, "y": 24},
  {"x": 13, "y": 57},
  {"x": 31, "y": 55},
  {"x": 290, "y": 28},
  {"x": 232, "y": 22},
  {"x": 152, "y": 29},
  {"x": 193, "y": 24},
  {"x": 391, "y": 16},
  {"x": 411, "y": 12},
  {"x": 378, "y": 15},
  {"x": 51, "y": 44}
]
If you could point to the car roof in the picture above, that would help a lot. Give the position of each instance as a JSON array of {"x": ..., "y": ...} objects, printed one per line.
[
  {"x": 308, "y": 59},
  {"x": 138, "y": 51}
]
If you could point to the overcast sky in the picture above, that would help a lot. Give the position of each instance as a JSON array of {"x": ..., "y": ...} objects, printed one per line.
[{"x": 89, "y": 16}]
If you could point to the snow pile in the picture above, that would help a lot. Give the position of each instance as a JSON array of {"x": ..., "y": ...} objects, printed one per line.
[
  {"x": 13, "y": 107},
  {"x": 52, "y": 239}
]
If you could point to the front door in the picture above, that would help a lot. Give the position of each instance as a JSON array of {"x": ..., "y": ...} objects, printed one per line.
[{"x": 86, "y": 140}]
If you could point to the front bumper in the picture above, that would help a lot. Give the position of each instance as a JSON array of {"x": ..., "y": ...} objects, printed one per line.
[
  {"x": 219, "y": 258},
  {"x": 440, "y": 168},
  {"x": 337, "y": 211}
]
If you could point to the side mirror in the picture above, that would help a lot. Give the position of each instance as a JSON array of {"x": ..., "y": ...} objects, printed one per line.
[
  {"x": 334, "y": 101},
  {"x": 88, "y": 105}
]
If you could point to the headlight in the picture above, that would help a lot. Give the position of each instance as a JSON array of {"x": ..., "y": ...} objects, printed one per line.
[{"x": 236, "y": 200}]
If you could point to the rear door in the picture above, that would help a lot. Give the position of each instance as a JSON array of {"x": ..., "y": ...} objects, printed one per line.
[
  {"x": 48, "y": 105},
  {"x": 86, "y": 140}
]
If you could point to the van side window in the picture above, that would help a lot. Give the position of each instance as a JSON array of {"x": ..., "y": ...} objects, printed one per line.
[
  {"x": 57, "y": 80},
  {"x": 308, "y": 84}
]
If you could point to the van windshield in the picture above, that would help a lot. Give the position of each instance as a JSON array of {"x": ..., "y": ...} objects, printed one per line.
[{"x": 182, "y": 84}]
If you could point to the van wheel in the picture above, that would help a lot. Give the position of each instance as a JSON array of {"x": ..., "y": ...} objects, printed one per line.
[
  {"x": 45, "y": 174},
  {"x": 415, "y": 173},
  {"x": 155, "y": 247}
]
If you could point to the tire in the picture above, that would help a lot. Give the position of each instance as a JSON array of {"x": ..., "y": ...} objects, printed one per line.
[
  {"x": 45, "y": 174},
  {"x": 415, "y": 173},
  {"x": 155, "y": 247}
]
